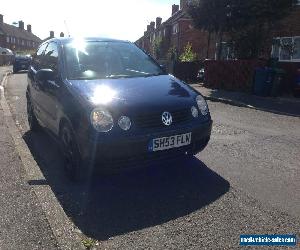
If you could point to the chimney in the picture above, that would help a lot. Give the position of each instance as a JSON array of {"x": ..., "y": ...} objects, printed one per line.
[
  {"x": 1, "y": 19},
  {"x": 61, "y": 34},
  {"x": 148, "y": 28},
  {"x": 184, "y": 4},
  {"x": 21, "y": 25},
  {"x": 29, "y": 28},
  {"x": 175, "y": 8},
  {"x": 158, "y": 22},
  {"x": 152, "y": 26},
  {"x": 51, "y": 34}
]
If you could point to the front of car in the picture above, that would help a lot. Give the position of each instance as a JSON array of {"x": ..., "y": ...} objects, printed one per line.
[
  {"x": 21, "y": 62},
  {"x": 137, "y": 113}
]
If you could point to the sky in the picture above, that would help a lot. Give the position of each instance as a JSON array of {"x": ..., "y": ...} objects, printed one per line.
[{"x": 121, "y": 19}]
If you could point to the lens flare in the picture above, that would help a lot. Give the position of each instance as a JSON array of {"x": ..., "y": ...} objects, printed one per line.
[{"x": 103, "y": 95}]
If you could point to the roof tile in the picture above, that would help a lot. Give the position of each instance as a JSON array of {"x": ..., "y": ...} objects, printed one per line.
[{"x": 11, "y": 30}]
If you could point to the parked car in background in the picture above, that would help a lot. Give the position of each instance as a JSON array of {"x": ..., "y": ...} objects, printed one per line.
[
  {"x": 21, "y": 62},
  {"x": 200, "y": 75},
  {"x": 5, "y": 51},
  {"x": 112, "y": 106}
]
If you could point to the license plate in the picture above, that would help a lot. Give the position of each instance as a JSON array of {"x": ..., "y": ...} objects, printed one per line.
[
  {"x": 23, "y": 66},
  {"x": 175, "y": 141}
]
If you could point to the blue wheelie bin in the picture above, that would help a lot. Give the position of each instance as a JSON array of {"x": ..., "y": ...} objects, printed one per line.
[{"x": 263, "y": 81}]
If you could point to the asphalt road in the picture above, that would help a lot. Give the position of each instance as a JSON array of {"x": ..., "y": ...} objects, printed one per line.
[{"x": 246, "y": 181}]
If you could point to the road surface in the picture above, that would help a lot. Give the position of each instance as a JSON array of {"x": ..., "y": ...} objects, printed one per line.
[{"x": 245, "y": 182}]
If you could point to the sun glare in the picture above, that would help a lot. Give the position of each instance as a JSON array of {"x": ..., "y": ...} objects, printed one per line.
[{"x": 103, "y": 95}]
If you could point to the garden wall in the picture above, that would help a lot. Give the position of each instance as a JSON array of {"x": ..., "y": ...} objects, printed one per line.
[
  {"x": 231, "y": 75},
  {"x": 5, "y": 60}
]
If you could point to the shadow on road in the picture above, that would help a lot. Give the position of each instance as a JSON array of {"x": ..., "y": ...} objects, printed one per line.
[
  {"x": 128, "y": 201},
  {"x": 21, "y": 72},
  {"x": 273, "y": 105}
]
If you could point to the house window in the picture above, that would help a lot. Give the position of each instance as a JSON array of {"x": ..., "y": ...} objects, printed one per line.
[
  {"x": 175, "y": 28},
  {"x": 227, "y": 51},
  {"x": 296, "y": 54},
  {"x": 23, "y": 42},
  {"x": 286, "y": 49},
  {"x": 7, "y": 39}
]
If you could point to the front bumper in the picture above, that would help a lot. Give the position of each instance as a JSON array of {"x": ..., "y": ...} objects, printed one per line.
[
  {"x": 132, "y": 152},
  {"x": 21, "y": 66}
]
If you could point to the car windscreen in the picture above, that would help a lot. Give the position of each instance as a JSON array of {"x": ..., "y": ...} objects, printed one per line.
[
  {"x": 104, "y": 60},
  {"x": 22, "y": 57}
]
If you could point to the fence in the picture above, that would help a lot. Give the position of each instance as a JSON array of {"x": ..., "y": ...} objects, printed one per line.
[
  {"x": 6, "y": 60},
  {"x": 237, "y": 75},
  {"x": 289, "y": 79},
  {"x": 231, "y": 75},
  {"x": 187, "y": 71}
]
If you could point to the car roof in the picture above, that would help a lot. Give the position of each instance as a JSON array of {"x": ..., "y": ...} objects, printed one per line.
[{"x": 65, "y": 40}]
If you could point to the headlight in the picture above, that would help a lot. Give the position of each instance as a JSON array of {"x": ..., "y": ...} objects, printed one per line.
[
  {"x": 195, "y": 112},
  {"x": 202, "y": 105},
  {"x": 124, "y": 123},
  {"x": 102, "y": 120}
]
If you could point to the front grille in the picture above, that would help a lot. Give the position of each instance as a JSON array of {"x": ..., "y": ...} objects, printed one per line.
[
  {"x": 154, "y": 120},
  {"x": 147, "y": 158},
  {"x": 23, "y": 61}
]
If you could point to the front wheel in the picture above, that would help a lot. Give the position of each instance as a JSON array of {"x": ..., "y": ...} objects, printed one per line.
[
  {"x": 73, "y": 163},
  {"x": 32, "y": 121}
]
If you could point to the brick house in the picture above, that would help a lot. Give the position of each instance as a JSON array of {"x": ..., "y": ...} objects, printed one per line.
[
  {"x": 178, "y": 30},
  {"x": 17, "y": 38},
  {"x": 286, "y": 38},
  {"x": 175, "y": 33}
]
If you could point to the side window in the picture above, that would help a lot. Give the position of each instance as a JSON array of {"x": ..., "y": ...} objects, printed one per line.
[
  {"x": 41, "y": 49},
  {"x": 37, "y": 60},
  {"x": 51, "y": 57}
]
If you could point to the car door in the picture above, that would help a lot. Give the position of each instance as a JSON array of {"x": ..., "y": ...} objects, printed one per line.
[
  {"x": 51, "y": 88},
  {"x": 34, "y": 86}
]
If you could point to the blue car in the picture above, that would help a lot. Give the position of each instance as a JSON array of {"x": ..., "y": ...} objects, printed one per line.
[
  {"x": 112, "y": 106},
  {"x": 21, "y": 62}
]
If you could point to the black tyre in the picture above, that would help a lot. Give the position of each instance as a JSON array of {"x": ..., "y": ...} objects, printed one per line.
[
  {"x": 32, "y": 121},
  {"x": 73, "y": 163}
]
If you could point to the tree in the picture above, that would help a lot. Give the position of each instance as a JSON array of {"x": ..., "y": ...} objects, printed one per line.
[
  {"x": 157, "y": 47},
  {"x": 251, "y": 22},
  {"x": 210, "y": 16},
  {"x": 188, "y": 55},
  {"x": 246, "y": 22},
  {"x": 172, "y": 54}
]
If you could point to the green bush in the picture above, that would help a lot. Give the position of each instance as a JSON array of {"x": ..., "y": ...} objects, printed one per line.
[{"x": 188, "y": 55}]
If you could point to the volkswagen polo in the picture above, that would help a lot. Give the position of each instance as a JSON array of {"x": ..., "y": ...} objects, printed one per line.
[{"x": 112, "y": 106}]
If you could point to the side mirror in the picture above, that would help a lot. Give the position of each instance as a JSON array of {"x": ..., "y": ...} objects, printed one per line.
[
  {"x": 163, "y": 67},
  {"x": 45, "y": 75}
]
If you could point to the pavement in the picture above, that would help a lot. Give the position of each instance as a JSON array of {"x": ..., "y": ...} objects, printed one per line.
[
  {"x": 276, "y": 105},
  {"x": 246, "y": 181},
  {"x": 23, "y": 224}
]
